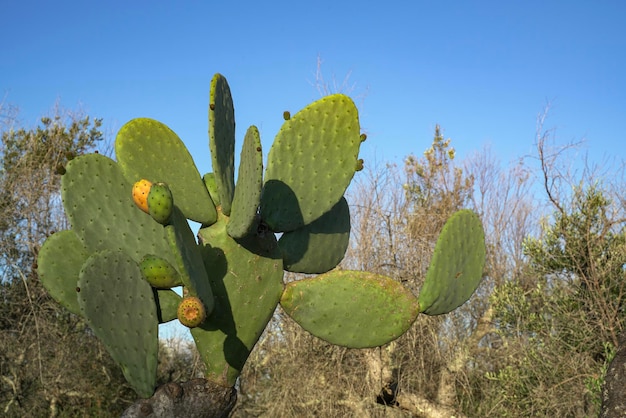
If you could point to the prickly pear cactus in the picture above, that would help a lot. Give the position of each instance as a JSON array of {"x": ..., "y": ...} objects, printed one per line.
[{"x": 130, "y": 246}]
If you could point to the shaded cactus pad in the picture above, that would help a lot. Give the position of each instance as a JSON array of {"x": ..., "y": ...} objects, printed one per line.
[
  {"x": 319, "y": 246},
  {"x": 120, "y": 309},
  {"x": 59, "y": 262},
  {"x": 457, "y": 265},
  {"x": 351, "y": 308}
]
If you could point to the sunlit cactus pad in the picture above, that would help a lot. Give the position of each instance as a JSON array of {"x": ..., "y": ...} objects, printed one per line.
[
  {"x": 457, "y": 265},
  {"x": 351, "y": 308}
]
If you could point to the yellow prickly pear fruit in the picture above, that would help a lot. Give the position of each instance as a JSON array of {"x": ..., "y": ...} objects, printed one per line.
[
  {"x": 141, "y": 189},
  {"x": 191, "y": 312}
]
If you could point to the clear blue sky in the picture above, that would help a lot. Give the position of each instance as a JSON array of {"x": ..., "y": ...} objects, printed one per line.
[{"x": 483, "y": 70}]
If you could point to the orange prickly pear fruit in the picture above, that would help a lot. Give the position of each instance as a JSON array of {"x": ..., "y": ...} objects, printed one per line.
[
  {"x": 191, "y": 312},
  {"x": 141, "y": 189}
]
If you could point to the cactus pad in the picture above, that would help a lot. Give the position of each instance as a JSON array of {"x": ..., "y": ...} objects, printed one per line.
[
  {"x": 209, "y": 182},
  {"x": 98, "y": 204},
  {"x": 148, "y": 149},
  {"x": 120, "y": 309},
  {"x": 311, "y": 163},
  {"x": 457, "y": 265},
  {"x": 243, "y": 216},
  {"x": 59, "y": 262},
  {"x": 222, "y": 139},
  {"x": 189, "y": 260},
  {"x": 246, "y": 278},
  {"x": 167, "y": 304},
  {"x": 351, "y": 308},
  {"x": 319, "y": 246}
]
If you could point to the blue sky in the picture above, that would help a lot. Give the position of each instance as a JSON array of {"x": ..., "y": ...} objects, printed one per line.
[{"x": 483, "y": 70}]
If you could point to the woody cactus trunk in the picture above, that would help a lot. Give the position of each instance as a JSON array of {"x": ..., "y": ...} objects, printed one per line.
[{"x": 130, "y": 243}]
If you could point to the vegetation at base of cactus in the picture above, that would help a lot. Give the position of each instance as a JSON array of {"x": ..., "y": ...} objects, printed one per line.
[
  {"x": 140, "y": 192},
  {"x": 191, "y": 312},
  {"x": 160, "y": 203}
]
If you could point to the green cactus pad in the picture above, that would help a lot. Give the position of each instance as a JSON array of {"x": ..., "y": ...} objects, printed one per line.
[
  {"x": 120, "y": 309},
  {"x": 159, "y": 273},
  {"x": 319, "y": 246},
  {"x": 160, "y": 203},
  {"x": 222, "y": 139},
  {"x": 189, "y": 259},
  {"x": 148, "y": 149},
  {"x": 99, "y": 205},
  {"x": 243, "y": 216},
  {"x": 246, "y": 277},
  {"x": 209, "y": 182},
  {"x": 58, "y": 265},
  {"x": 457, "y": 265},
  {"x": 167, "y": 304},
  {"x": 351, "y": 308},
  {"x": 311, "y": 163}
]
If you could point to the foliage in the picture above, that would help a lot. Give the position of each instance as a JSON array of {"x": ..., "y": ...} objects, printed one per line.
[{"x": 559, "y": 322}]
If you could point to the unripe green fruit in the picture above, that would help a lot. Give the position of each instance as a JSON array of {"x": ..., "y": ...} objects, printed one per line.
[
  {"x": 160, "y": 203},
  {"x": 159, "y": 273},
  {"x": 191, "y": 312}
]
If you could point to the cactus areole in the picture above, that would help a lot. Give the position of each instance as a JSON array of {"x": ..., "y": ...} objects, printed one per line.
[{"x": 130, "y": 242}]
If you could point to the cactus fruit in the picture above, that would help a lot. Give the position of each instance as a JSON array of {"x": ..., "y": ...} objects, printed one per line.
[
  {"x": 160, "y": 203},
  {"x": 116, "y": 266},
  {"x": 191, "y": 312},
  {"x": 159, "y": 273},
  {"x": 140, "y": 192}
]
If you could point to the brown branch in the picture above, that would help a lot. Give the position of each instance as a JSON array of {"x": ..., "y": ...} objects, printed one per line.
[{"x": 197, "y": 398}]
